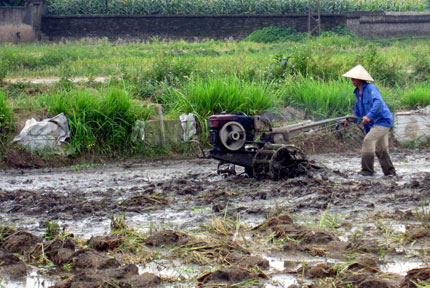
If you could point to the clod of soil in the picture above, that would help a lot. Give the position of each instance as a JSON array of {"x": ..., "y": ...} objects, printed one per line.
[
  {"x": 416, "y": 233},
  {"x": 11, "y": 265},
  {"x": 144, "y": 280},
  {"x": 247, "y": 261},
  {"x": 366, "y": 280},
  {"x": 227, "y": 274},
  {"x": 321, "y": 270},
  {"x": 126, "y": 276},
  {"x": 104, "y": 243},
  {"x": 20, "y": 242},
  {"x": 90, "y": 259},
  {"x": 166, "y": 237},
  {"x": 415, "y": 276},
  {"x": 63, "y": 256}
]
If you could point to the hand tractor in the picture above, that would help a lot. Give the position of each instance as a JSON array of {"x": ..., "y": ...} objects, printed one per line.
[{"x": 264, "y": 152}]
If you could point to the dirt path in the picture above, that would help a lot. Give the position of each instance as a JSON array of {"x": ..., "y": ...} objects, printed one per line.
[{"x": 379, "y": 215}]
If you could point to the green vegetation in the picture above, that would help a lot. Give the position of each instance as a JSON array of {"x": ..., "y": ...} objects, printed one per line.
[
  {"x": 275, "y": 34},
  {"x": 416, "y": 96},
  {"x": 9, "y": 3},
  {"x": 318, "y": 98},
  {"x": 6, "y": 117},
  {"x": 215, "y": 95},
  {"x": 203, "y": 78},
  {"x": 101, "y": 123},
  {"x": 218, "y": 7}
]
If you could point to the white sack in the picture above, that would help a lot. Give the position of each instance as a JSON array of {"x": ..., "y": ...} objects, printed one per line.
[{"x": 46, "y": 134}]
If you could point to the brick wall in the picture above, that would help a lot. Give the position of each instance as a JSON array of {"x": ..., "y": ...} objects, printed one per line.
[
  {"x": 21, "y": 24},
  {"x": 174, "y": 27},
  {"x": 385, "y": 24}
]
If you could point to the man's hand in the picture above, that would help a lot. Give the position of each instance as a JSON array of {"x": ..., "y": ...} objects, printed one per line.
[{"x": 366, "y": 120}]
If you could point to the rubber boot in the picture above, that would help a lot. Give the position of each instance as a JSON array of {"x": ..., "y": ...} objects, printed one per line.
[
  {"x": 367, "y": 160},
  {"x": 386, "y": 164}
]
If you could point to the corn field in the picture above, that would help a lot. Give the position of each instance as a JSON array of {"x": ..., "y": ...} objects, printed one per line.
[{"x": 219, "y": 7}]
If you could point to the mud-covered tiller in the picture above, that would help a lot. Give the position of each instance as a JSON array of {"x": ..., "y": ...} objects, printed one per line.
[{"x": 263, "y": 151}]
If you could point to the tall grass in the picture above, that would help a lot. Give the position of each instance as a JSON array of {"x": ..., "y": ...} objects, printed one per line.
[
  {"x": 204, "y": 97},
  {"x": 100, "y": 123},
  {"x": 217, "y": 7},
  {"x": 6, "y": 117},
  {"x": 320, "y": 99},
  {"x": 215, "y": 95},
  {"x": 416, "y": 96}
]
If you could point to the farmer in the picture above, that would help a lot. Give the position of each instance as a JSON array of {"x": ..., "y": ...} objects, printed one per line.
[{"x": 377, "y": 120}]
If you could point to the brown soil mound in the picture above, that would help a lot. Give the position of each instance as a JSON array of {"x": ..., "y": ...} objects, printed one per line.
[
  {"x": 90, "y": 259},
  {"x": 104, "y": 243},
  {"x": 227, "y": 274},
  {"x": 15, "y": 157},
  {"x": 167, "y": 237},
  {"x": 321, "y": 270},
  {"x": 20, "y": 242},
  {"x": 416, "y": 276},
  {"x": 127, "y": 276},
  {"x": 11, "y": 265},
  {"x": 247, "y": 261}
]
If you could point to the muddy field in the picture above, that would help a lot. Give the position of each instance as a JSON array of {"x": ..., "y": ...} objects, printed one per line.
[{"x": 179, "y": 224}]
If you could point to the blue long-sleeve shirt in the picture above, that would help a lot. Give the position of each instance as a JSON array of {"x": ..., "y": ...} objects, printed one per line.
[{"x": 373, "y": 106}]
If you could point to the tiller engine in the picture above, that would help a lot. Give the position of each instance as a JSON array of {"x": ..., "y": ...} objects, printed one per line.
[{"x": 264, "y": 152}]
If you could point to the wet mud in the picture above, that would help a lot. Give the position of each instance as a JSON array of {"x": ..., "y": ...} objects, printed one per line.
[{"x": 179, "y": 224}]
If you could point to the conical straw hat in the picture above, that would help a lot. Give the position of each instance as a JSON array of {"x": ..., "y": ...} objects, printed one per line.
[{"x": 358, "y": 72}]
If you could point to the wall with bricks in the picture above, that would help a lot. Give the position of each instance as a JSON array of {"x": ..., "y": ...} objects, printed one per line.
[
  {"x": 31, "y": 22},
  {"x": 174, "y": 27},
  {"x": 386, "y": 24}
]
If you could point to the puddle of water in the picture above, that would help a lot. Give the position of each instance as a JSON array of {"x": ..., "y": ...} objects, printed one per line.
[
  {"x": 33, "y": 280},
  {"x": 399, "y": 227},
  {"x": 281, "y": 280},
  {"x": 171, "y": 269},
  {"x": 406, "y": 165},
  {"x": 401, "y": 265}
]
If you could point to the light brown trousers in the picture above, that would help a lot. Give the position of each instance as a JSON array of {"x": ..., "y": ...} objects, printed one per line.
[{"x": 376, "y": 142}]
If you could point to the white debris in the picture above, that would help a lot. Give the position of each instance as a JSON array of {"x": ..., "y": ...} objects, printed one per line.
[
  {"x": 188, "y": 123},
  {"x": 138, "y": 132},
  {"x": 48, "y": 134}
]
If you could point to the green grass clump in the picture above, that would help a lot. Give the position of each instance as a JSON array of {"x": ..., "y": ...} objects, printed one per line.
[
  {"x": 416, "y": 96},
  {"x": 6, "y": 117},
  {"x": 101, "y": 123},
  {"x": 204, "y": 97},
  {"x": 320, "y": 99},
  {"x": 215, "y": 95}
]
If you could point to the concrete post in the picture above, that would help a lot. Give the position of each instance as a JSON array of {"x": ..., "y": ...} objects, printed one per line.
[{"x": 36, "y": 9}]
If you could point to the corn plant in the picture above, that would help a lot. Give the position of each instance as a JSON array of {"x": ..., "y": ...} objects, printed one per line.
[{"x": 218, "y": 7}]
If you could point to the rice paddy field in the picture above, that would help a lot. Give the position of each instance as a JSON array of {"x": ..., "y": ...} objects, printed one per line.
[
  {"x": 202, "y": 78},
  {"x": 120, "y": 213}
]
